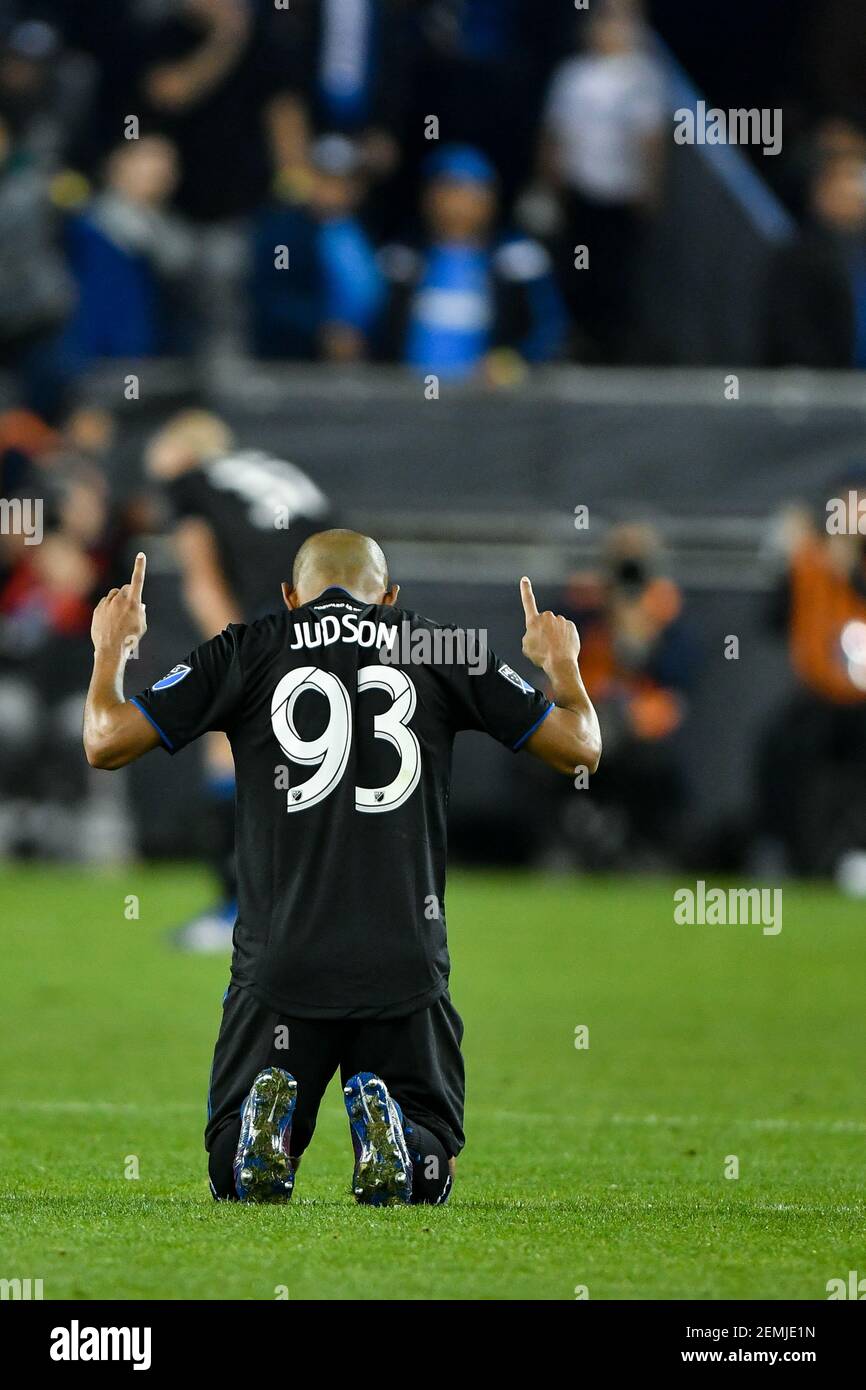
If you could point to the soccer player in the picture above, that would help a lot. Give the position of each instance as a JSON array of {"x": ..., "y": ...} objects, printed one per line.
[
  {"x": 238, "y": 514},
  {"x": 341, "y": 711}
]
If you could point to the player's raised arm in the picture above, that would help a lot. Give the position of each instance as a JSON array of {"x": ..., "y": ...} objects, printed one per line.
[
  {"x": 570, "y": 736},
  {"x": 115, "y": 731}
]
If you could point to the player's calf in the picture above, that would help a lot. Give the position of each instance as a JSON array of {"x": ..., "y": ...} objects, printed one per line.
[
  {"x": 383, "y": 1140},
  {"x": 263, "y": 1170},
  {"x": 433, "y": 1170}
]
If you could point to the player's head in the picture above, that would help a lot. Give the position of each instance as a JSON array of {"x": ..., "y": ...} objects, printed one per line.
[
  {"x": 345, "y": 559},
  {"x": 187, "y": 440}
]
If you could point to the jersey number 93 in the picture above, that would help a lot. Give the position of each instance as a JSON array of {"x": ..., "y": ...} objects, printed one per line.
[{"x": 330, "y": 751}]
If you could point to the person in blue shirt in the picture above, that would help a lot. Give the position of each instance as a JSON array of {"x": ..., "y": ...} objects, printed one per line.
[
  {"x": 814, "y": 312},
  {"x": 325, "y": 303},
  {"x": 469, "y": 302},
  {"x": 131, "y": 257}
]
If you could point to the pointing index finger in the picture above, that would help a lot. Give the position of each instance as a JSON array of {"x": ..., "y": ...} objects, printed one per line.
[
  {"x": 137, "y": 581},
  {"x": 530, "y": 609}
]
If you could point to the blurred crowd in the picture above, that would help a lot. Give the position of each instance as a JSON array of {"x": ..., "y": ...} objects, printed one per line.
[
  {"x": 56, "y": 558},
  {"x": 642, "y": 655},
  {"x": 404, "y": 181},
  {"x": 641, "y": 658},
  {"x": 394, "y": 180},
  {"x": 331, "y": 180}
]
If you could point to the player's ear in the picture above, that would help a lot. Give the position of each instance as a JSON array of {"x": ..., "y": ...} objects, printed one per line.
[
  {"x": 391, "y": 596},
  {"x": 290, "y": 596}
]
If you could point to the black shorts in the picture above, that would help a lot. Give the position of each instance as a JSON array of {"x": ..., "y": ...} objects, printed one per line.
[{"x": 418, "y": 1057}]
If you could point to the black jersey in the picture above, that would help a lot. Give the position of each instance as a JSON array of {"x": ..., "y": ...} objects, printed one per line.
[
  {"x": 261, "y": 510},
  {"x": 341, "y": 717}
]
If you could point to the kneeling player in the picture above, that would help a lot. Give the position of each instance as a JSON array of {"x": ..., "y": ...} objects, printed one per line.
[{"x": 341, "y": 712}]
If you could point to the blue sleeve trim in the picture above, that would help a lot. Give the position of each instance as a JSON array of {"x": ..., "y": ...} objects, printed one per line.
[
  {"x": 529, "y": 732},
  {"x": 166, "y": 740}
]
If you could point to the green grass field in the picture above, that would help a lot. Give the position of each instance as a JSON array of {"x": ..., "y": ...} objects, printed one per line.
[{"x": 602, "y": 1167}]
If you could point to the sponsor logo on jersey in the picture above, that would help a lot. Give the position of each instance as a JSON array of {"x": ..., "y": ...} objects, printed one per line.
[
  {"x": 176, "y": 674},
  {"x": 511, "y": 675}
]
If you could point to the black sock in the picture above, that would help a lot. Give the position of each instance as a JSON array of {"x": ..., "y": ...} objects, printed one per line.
[{"x": 431, "y": 1175}]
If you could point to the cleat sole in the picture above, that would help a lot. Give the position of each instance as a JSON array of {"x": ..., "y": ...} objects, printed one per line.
[
  {"x": 382, "y": 1168},
  {"x": 266, "y": 1173}
]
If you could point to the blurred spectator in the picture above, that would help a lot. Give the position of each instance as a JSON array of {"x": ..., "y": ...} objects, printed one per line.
[
  {"x": 210, "y": 73},
  {"x": 484, "y": 68},
  {"x": 602, "y": 150},
  {"x": 131, "y": 256},
  {"x": 47, "y": 593},
  {"x": 36, "y": 293},
  {"x": 637, "y": 659},
  {"x": 356, "y": 72},
  {"x": 324, "y": 303},
  {"x": 90, "y": 431},
  {"x": 837, "y": 136},
  {"x": 812, "y": 759},
  {"x": 467, "y": 298},
  {"x": 45, "y": 91},
  {"x": 836, "y": 56},
  {"x": 816, "y": 297},
  {"x": 24, "y": 439},
  {"x": 362, "y": 63}
]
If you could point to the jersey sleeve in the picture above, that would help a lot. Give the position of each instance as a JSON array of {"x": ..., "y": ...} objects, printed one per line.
[
  {"x": 200, "y": 694},
  {"x": 183, "y": 495},
  {"x": 493, "y": 698}
]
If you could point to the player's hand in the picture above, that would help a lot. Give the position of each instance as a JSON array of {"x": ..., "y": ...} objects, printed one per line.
[
  {"x": 119, "y": 620},
  {"x": 550, "y": 640}
]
